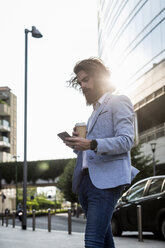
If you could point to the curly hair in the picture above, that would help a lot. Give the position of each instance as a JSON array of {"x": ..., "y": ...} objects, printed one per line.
[{"x": 94, "y": 67}]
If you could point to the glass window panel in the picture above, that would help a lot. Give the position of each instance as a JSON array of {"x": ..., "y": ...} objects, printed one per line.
[
  {"x": 156, "y": 41},
  {"x": 162, "y": 4},
  {"x": 132, "y": 33},
  {"x": 136, "y": 192},
  {"x": 155, "y": 7},
  {"x": 162, "y": 34},
  {"x": 155, "y": 186},
  {"x": 117, "y": 25},
  {"x": 139, "y": 58}
]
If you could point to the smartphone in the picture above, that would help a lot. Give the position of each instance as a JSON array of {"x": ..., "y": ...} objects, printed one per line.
[{"x": 63, "y": 135}]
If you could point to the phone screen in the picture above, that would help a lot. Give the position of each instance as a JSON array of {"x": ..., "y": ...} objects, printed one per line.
[{"x": 63, "y": 135}]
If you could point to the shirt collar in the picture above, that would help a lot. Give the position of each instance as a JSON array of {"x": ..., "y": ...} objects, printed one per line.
[{"x": 100, "y": 101}]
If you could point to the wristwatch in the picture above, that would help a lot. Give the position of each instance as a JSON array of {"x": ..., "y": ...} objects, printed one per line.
[{"x": 93, "y": 145}]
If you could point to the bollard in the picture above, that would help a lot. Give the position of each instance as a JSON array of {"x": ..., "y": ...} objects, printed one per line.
[
  {"x": 2, "y": 219},
  {"x": 139, "y": 221},
  {"x": 13, "y": 219},
  {"x": 34, "y": 220},
  {"x": 77, "y": 212},
  {"x": 49, "y": 221},
  {"x": 7, "y": 217},
  {"x": 69, "y": 221}
]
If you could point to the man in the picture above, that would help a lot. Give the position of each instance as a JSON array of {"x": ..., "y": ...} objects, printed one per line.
[{"x": 103, "y": 164}]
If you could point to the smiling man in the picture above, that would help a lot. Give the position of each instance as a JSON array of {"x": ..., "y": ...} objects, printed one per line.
[{"x": 103, "y": 165}]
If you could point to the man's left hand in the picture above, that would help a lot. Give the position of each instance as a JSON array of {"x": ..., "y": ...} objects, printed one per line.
[{"x": 77, "y": 143}]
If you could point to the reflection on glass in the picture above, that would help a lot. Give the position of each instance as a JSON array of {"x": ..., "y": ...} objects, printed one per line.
[
  {"x": 155, "y": 186},
  {"x": 136, "y": 192},
  {"x": 132, "y": 38}
]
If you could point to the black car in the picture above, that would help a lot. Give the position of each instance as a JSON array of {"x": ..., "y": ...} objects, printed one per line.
[{"x": 150, "y": 194}]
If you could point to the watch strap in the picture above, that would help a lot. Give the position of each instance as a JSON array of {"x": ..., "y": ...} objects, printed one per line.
[{"x": 93, "y": 145}]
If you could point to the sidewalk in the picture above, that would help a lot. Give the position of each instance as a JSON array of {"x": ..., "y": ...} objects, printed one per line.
[{"x": 18, "y": 238}]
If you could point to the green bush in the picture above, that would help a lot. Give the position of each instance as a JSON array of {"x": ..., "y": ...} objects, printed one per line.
[
  {"x": 32, "y": 205},
  {"x": 44, "y": 203},
  {"x": 45, "y": 212},
  {"x": 40, "y": 203}
]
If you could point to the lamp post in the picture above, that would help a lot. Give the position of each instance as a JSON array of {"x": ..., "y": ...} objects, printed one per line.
[
  {"x": 153, "y": 148},
  {"x": 35, "y": 34},
  {"x": 16, "y": 180}
]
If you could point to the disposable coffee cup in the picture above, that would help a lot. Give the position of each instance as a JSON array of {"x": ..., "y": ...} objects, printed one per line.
[{"x": 81, "y": 129}]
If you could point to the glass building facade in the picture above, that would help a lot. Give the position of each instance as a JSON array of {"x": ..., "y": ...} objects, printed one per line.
[{"x": 131, "y": 41}]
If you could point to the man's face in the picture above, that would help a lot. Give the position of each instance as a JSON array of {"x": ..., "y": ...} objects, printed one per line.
[{"x": 89, "y": 87}]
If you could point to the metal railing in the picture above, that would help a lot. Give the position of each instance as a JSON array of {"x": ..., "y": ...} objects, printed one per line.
[
  {"x": 4, "y": 125},
  {"x": 152, "y": 133},
  {"x": 4, "y": 109},
  {"x": 4, "y": 138}
]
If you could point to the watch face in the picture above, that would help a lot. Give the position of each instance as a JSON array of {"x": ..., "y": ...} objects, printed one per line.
[{"x": 93, "y": 145}]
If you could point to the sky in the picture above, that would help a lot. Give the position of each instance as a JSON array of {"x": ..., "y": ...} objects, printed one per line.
[{"x": 70, "y": 34}]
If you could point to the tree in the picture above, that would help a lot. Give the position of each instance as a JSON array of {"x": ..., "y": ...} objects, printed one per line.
[
  {"x": 65, "y": 182},
  {"x": 141, "y": 162}
]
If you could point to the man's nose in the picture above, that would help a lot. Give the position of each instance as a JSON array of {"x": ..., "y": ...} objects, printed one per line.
[{"x": 83, "y": 85}]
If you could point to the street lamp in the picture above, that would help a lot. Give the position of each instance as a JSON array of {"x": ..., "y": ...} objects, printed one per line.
[
  {"x": 35, "y": 34},
  {"x": 16, "y": 180},
  {"x": 153, "y": 148}
]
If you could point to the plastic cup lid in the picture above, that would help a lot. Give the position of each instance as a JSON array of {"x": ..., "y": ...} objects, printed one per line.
[{"x": 80, "y": 124}]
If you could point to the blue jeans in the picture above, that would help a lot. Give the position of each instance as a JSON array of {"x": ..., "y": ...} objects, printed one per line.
[{"x": 98, "y": 205}]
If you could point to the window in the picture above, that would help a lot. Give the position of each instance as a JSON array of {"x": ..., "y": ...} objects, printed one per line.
[
  {"x": 136, "y": 192},
  {"x": 155, "y": 186}
]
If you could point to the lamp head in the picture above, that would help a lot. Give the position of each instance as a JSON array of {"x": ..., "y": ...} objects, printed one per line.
[
  {"x": 36, "y": 33},
  {"x": 153, "y": 147}
]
